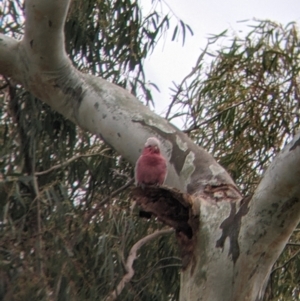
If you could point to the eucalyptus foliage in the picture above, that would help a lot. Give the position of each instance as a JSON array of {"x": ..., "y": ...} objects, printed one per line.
[
  {"x": 241, "y": 102},
  {"x": 244, "y": 105},
  {"x": 65, "y": 233}
]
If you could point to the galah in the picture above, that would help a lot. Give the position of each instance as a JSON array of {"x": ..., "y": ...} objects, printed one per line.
[{"x": 151, "y": 167}]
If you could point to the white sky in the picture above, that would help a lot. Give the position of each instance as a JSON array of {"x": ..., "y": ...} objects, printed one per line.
[{"x": 172, "y": 62}]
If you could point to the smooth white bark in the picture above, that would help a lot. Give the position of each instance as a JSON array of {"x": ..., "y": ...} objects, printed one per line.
[
  {"x": 42, "y": 66},
  {"x": 254, "y": 235}
]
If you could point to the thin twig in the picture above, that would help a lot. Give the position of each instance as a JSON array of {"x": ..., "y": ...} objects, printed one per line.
[
  {"x": 58, "y": 284},
  {"x": 39, "y": 232},
  {"x": 156, "y": 268},
  {"x": 216, "y": 116},
  {"x": 288, "y": 261},
  {"x": 107, "y": 199},
  {"x": 38, "y": 213},
  {"x": 131, "y": 258},
  {"x": 68, "y": 162},
  {"x": 95, "y": 210},
  {"x": 293, "y": 244},
  {"x": 185, "y": 78}
]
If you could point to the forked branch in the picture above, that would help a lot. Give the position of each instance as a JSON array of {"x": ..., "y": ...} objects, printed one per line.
[{"x": 131, "y": 258}]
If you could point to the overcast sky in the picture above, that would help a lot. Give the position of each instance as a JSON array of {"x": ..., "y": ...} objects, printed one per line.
[{"x": 171, "y": 62}]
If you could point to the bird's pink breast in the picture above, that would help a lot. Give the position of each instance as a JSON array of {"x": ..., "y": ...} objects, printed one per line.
[{"x": 151, "y": 169}]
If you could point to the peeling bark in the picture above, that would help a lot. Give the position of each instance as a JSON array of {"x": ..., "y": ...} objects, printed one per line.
[{"x": 174, "y": 209}]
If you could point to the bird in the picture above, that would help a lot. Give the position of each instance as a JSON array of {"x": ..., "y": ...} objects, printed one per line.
[{"x": 151, "y": 166}]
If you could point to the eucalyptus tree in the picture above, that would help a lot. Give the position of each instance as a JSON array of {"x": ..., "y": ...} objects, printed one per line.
[{"x": 70, "y": 136}]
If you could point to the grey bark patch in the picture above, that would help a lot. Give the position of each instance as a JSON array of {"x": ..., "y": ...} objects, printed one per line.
[
  {"x": 231, "y": 228},
  {"x": 253, "y": 272},
  {"x": 296, "y": 144},
  {"x": 282, "y": 224},
  {"x": 76, "y": 93},
  {"x": 177, "y": 152},
  {"x": 178, "y": 155},
  {"x": 96, "y": 105},
  {"x": 287, "y": 206},
  {"x": 104, "y": 116}
]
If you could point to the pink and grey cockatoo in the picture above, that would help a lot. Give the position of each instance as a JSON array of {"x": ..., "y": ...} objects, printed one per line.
[{"x": 151, "y": 167}]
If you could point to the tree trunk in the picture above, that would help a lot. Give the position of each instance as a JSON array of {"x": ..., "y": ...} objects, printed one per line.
[
  {"x": 238, "y": 242},
  {"x": 238, "y": 239}
]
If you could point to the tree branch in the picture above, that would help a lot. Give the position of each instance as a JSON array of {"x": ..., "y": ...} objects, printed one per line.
[
  {"x": 275, "y": 206},
  {"x": 131, "y": 258},
  {"x": 273, "y": 214},
  {"x": 194, "y": 70},
  {"x": 292, "y": 244},
  {"x": 103, "y": 202},
  {"x": 44, "y": 39},
  {"x": 40, "y": 173},
  {"x": 97, "y": 105}
]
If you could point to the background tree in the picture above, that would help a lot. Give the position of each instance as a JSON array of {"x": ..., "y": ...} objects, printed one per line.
[
  {"x": 244, "y": 107},
  {"x": 67, "y": 226},
  {"x": 87, "y": 228}
]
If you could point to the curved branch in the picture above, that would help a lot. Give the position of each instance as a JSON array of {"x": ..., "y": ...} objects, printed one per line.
[
  {"x": 44, "y": 39},
  {"x": 271, "y": 218},
  {"x": 99, "y": 106},
  {"x": 131, "y": 258},
  {"x": 275, "y": 207},
  {"x": 63, "y": 164},
  {"x": 293, "y": 244}
]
